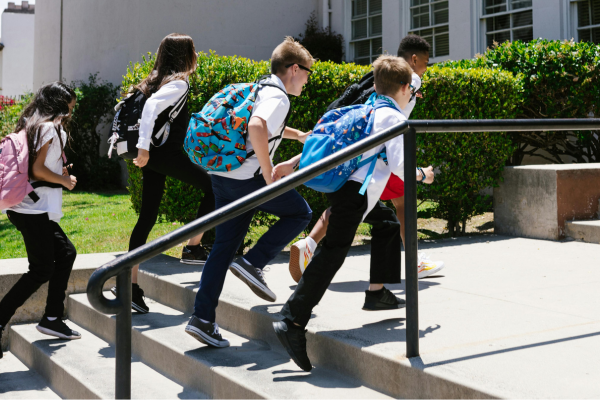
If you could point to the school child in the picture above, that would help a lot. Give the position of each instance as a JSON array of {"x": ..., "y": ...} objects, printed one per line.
[
  {"x": 348, "y": 209},
  {"x": 165, "y": 86},
  {"x": 290, "y": 69},
  {"x": 415, "y": 50},
  {"x": 49, "y": 251}
]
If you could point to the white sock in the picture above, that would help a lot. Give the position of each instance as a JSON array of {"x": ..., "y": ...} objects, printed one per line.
[
  {"x": 51, "y": 318},
  {"x": 312, "y": 245},
  {"x": 247, "y": 261},
  {"x": 206, "y": 322}
]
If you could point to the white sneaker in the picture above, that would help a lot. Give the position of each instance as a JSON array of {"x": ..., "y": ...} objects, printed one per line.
[
  {"x": 300, "y": 257},
  {"x": 427, "y": 267}
]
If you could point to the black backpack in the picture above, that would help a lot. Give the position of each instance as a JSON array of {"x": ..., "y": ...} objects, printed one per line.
[
  {"x": 357, "y": 93},
  {"x": 126, "y": 124}
]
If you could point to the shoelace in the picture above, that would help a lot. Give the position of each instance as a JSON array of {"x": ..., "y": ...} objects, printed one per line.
[
  {"x": 216, "y": 329},
  {"x": 261, "y": 272}
]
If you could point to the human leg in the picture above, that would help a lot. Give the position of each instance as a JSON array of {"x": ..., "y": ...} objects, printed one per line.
[
  {"x": 398, "y": 203},
  {"x": 64, "y": 258}
]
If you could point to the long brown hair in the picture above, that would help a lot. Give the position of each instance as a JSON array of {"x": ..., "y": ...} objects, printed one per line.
[
  {"x": 50, "y": 104},
  {"x": 176, "y": 59}
]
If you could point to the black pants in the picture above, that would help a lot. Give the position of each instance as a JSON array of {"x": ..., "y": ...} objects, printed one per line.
[
  {"x": 51, "y": 256},
  {"x": 347, "y": 210},
  {"x": 168, "y": 160}
]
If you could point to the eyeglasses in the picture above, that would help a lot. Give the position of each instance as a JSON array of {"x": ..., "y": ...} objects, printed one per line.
[
  {"x": 301, "y": 67},
  {"x": 413, "y": 90}
]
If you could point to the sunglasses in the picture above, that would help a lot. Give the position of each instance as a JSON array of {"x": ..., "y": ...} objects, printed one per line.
[
  {"x": 301, "y": 67},
  {"x": 413, "y": 90}
]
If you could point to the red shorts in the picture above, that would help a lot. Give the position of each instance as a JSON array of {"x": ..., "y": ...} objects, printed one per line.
[{"x": 393, "y": 189}]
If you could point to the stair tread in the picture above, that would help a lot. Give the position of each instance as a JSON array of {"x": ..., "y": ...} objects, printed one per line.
[
  {"x": 248, "y": 362},
  {"x": 91, "y": 361},
  {"x": 19, "y": 382},
  {"x": 592, "y": 222}
]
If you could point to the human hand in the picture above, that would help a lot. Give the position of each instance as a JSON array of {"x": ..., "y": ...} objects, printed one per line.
[
  {"x": 69, "y": 181},
  {"x": 282, "y": 170},
  {"x": 429, "y": 175},
  {"x": 302, "y": 137},
  {"x": 267, "y": 174},
  {"x": 66, "y": 170},
  {"x": 142, "y": 158}
]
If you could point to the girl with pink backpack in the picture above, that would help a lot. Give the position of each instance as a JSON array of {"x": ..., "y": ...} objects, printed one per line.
[{"x": 38, "y": 148}]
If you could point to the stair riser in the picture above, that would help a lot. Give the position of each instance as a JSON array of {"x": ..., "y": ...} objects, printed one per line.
[
  {"x": 323, "y": 350},
  {"x": 585, "y": 233},
  {"x": 176, "y": 366},
  {"x": 59, "y": 380}
]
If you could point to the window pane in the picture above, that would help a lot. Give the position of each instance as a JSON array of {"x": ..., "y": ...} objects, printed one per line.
[
  {"x": 522, "y": 19},
  {"x": 440, "y": 13},
  {"x": 377, "y": 46},
  {"x": 595, "y": 12},
  {"x": 583, "y": 13},
  {"x": 493, "y": 6},
  {"x": 500, "y": 37},
  {"x": 525, "y": 34},
  {"x": 596, "y": 35},
  {"x": 359, "y": 7},
  {"x": 375, "y": 26},
  {"x": 442, "y": 45},
  {"x": 362, "y": 49},
  {"x": 420, "y": 17},
  {"x": 359, "y": 29},
  {"x": 516, "y": 4},
  {"x": 498, "y": 23},
  {"x": 363, "y": 61},
  {"x": 374, "y": 7},
  {"x": 585, "y": 35},
  {"x": 441, "y": 29},
  {"x": 418, "y": 2}
]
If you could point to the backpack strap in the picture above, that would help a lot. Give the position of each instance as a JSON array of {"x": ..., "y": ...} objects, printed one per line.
[
  {"x": 33, "y": 195},
  {"x": 166, "y": 129}
]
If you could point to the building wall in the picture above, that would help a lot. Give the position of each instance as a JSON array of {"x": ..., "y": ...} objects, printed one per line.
[
  {"x": 17, "y": 55},
  {"x": 105, "y": 35}
]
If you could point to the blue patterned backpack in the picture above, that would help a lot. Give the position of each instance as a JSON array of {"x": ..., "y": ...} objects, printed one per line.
[
  {"x": 216, "y": 137},
  {"x": 336, "y": 130}
]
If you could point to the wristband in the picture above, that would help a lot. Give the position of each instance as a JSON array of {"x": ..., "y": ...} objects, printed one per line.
[{"x": 423, "y": 177}]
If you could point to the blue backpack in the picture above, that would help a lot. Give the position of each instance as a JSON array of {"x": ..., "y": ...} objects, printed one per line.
[
  {"x": 216, "y": 136},
  {"x": 335, "y": 131}
]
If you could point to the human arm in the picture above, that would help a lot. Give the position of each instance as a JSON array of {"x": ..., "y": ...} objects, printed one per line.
[
  {"x": 40, "y": 172},
  {"x": 295, "y": 134},
  {"x": 259, "y": 137},
  {"x": 285, "y": 168}
]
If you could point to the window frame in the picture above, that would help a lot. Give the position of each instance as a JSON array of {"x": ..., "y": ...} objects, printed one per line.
[
  {"x": 509, "y": 11},
  {"x": 368, "y": 16},
  {"x": 575, "y": 12},
  {"x": 433, "y": 27}
]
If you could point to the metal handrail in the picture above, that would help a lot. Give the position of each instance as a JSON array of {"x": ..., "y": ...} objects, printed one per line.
[{"x": 122, "y": 265}]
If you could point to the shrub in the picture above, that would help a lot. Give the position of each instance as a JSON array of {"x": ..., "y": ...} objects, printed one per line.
[
  {"x": 323, "y": 44},
  {"x": 467, "y": 162},
  {"x": 10, "y": 113}
]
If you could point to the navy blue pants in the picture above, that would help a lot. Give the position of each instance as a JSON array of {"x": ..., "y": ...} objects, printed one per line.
[{"x": 294, "y": 215}]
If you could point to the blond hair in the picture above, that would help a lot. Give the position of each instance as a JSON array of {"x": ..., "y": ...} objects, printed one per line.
[
  {"x": 391, "y": 73},
  {"x": 290, "y": 52}
]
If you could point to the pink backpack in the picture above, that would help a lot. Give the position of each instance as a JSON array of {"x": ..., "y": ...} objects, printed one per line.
[{"x": 14, "y": 165}]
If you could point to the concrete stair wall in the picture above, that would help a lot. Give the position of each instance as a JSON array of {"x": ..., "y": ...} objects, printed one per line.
[{"x": 586, "y": 230}]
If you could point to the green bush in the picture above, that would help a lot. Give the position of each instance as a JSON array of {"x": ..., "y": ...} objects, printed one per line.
[
  {"x": 9, "y": 115},
  {"x": 467, "y": 162}
]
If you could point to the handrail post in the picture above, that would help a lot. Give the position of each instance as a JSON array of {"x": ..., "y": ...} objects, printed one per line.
[
  {"x": 410, "y": 245},
  {"x": 123, "y": 336}
]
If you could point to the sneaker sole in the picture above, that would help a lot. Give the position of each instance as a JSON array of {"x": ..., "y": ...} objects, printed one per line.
[
  {"x": 295, "y": 269},
  {"x": 431, "y": 272},
  {"x": 258, "y": 288},
  {"x": 202, "y": 337},
  {"x": 192, "y": 262},
  {"x": 50, "y": 332},
  {"x": 286, "y": 345},
  {"x": 367, "y": 307}
]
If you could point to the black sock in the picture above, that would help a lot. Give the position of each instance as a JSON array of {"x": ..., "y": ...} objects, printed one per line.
[
  {"x": 192, "y": 247},
  {"x": 377, "y": 293},
  {"x": 291, "y": 325}
]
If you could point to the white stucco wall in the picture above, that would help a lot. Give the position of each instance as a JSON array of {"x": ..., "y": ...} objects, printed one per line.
[
  {"x": 105, "y": 35},
  {"x": 17, "y": 56}
]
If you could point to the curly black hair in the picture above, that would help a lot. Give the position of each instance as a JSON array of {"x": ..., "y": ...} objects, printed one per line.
[{"x": 413, "y": 44}]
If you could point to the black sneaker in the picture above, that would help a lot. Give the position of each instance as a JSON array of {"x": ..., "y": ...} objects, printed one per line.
[
  {"x": 253, "y": 277},
  {"x": 1, "y": 355},
  {"x": 206, "y": 332},
  {"x": 196, "y": 255},
  {"x": 57, "y": 328},
  {"x": 294, "y": 342},
  {"x": 382, "y": 300},
  {"x": 137, "y": 298}
]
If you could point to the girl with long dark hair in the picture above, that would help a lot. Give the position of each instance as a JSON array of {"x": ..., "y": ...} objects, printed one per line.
[
  {"x": 50, "y": 252},
  {"x": 176, "y": 60}
]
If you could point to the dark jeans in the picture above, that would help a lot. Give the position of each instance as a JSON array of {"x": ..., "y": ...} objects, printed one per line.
[
  {"x": 51, "y": 256},
  {"x": 294, "y": 215},
  {"x": 347, "y": 210},
  {"x": 168, "y": 160}
]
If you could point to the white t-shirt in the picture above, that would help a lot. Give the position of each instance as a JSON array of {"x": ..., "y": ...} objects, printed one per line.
[
  {"x": 271, "y": 105},
  {"x": 416, "y": 82},
  {"x": 50, "y": 199}
]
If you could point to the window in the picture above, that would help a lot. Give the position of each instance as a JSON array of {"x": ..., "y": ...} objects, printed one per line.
[
  {"x": 588, "y": 21},
  {"x": 508, "y": 20},
  {"x": 366, "y": 30},
  {"x": 429, "y": 19}
]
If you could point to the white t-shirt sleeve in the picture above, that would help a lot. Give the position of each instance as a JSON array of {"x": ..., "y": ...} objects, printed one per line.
[
  {"x": 395, "y": 147},
  {"x": 273, "y": 111},
  {"x": 165, "y": 97},
  {"x": 47, "y": 133},
  {"x": 416, "y": 82}
]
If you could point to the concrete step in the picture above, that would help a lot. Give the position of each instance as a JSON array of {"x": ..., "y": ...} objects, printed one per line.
[
  {"x": 372, "y": 353},
  {"x": 19, "y": 382},
  {"x": 85, "y": 368},
  {"x": 247, "y": 369},
  {"x": 585, "y": 231}
]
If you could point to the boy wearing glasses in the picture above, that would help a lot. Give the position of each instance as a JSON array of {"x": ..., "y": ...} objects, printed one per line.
[
  {"x": 415, "y": 51},
  {"x": 348, "y": 209},
  {"x": 290, "y": 69}
]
